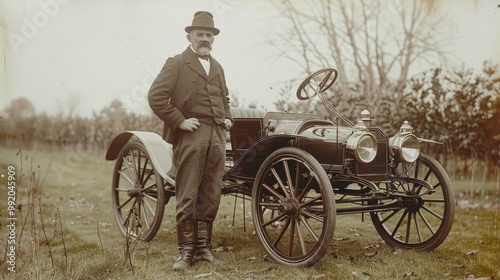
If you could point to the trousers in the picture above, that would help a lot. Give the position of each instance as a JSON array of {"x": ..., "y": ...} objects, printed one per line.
[{"x": 199, "y": 159}]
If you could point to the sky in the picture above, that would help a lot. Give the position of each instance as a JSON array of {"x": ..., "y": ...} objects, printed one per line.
[{"x": 89, "y": 52}]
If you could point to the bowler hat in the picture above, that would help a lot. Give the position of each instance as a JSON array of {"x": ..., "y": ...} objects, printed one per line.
[{"x": 203, "y": 20}]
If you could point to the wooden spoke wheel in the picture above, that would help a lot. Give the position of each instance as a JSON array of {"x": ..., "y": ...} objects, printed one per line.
[
  {"x": 426, "y": 215},
  {"x": 293, "y": 207},
  {"x": 138, "y": 193}
]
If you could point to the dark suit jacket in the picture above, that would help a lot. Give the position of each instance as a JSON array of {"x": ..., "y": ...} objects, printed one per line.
[{"x": 172, "y": 93}]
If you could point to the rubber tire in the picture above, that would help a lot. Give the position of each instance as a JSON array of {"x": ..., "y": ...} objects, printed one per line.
[
  {"x": 142, "y": 228},
  {"x": 403, "y": 237},
  {"x": 261, "y": 195}
]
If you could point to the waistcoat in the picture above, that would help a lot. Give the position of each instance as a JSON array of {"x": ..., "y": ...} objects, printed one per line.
[{"x": 208, "y": 105}]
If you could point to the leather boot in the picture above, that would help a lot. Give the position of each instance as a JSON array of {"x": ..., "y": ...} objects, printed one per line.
[
  {"x": 204, "y": 248},
  {"x": 187, "y": 238}
]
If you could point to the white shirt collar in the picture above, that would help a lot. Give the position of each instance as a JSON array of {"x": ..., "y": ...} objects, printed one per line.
[{"x": 204, "y": 63}]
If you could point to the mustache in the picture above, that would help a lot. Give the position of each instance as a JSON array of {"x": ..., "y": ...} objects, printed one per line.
[{"x": 205, "y": 44}]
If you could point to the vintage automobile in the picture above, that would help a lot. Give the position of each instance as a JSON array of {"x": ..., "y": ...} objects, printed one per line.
[{"x": 300, "y": 171}]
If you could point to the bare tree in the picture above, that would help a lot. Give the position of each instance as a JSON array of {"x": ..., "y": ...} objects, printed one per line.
[
  {"x": 374, "y": 44},
  {"x": 72, "y": 103},
  {"x": 68, "y": 106}
]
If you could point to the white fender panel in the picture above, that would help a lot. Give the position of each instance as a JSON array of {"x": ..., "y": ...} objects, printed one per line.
[{"x": 160, "y": 152}]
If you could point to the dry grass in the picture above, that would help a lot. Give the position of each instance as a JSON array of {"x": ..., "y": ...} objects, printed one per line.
[{"x": 79, "y": 238}]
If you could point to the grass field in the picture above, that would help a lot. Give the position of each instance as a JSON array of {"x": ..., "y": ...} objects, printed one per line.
[{"x": 65, "y": 229}]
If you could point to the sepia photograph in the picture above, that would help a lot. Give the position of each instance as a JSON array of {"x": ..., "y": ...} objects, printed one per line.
[{"x": 231, "y": 139}]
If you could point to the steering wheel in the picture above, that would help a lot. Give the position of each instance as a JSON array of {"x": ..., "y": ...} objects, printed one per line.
[{"x": 317, "y": 82}]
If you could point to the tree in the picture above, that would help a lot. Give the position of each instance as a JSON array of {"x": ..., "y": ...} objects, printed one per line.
[
  {"x": 461, "y": 109},
  {"x": 17, "y": 124},
  {"x": 68, "y": 108},
  {"x": 475, "y": 115},
  {"x": 20, "y": 109},
  {"x": 115, "y": 110},
  {"x": 374, "y": 45}
]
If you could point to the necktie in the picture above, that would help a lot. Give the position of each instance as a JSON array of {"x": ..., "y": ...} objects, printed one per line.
[{"x": 205, "y": 57}]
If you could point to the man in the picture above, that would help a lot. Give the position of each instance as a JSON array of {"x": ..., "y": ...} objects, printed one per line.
[{"x": 191, "y": 97}]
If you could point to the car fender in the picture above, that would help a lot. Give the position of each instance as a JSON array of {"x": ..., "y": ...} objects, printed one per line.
[
  {"x": 159, "y": 151},
  {"x": 249, "y": 163}
]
